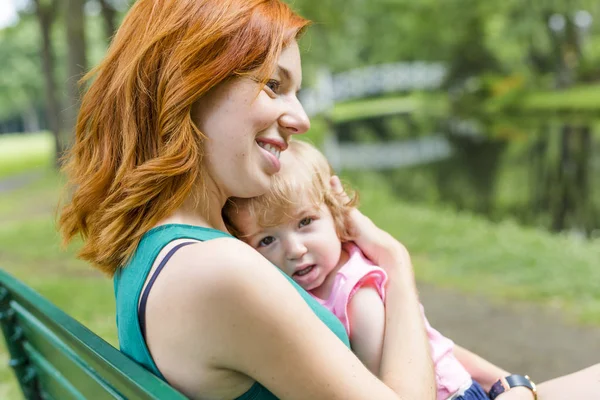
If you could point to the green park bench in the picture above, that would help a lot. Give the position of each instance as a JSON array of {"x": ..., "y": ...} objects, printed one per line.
[{"x": 55, "y": 357}]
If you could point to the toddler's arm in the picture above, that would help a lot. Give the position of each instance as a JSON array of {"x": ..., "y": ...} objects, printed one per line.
[
  {"x": 366, "y": 314},
  {"x": 480, "y": 369}
]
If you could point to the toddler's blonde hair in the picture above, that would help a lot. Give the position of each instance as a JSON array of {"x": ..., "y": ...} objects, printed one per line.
[{"x": 307, "y": 174}]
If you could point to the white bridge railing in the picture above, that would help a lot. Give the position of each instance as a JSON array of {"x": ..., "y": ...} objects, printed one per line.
[
  {"x": 368, "y": 81},
  {"x": 388, "y": 155},
  {"x": 373, "y": 80}
]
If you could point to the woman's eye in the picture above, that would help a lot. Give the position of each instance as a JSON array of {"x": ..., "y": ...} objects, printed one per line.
[
  {"x": 305, "y": 221},
  {"x": 266, "y": 241},
  {"x": 273, "y": 85}
]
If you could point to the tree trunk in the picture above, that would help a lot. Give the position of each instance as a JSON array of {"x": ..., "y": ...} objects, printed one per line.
[
  {"x": 108, "y": 14},
  {"x": 45, "y": 14},
  {"x": 76, "y": 58},
  {"x": 562, "y": 200},
  {"x": 31, "y": 122},
  {"x": 583, "y": 182}
]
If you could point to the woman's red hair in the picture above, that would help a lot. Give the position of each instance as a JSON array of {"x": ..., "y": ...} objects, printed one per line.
[{"x": 137, "y": 154}]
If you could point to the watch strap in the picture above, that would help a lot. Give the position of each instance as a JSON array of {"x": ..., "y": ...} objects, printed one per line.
[
  {"x": 497, "y": 389},
  {"x": 520, "y": 380}
]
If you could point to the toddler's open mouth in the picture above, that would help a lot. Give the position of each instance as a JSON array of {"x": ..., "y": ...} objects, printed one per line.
[{"x": 304, "y": 271}]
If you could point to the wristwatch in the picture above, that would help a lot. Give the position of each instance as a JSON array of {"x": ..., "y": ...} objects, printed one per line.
[{"x": 506, "y": 383}]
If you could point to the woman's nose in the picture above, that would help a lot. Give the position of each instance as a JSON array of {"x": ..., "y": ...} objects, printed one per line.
[{"x": 295, "y": 120}]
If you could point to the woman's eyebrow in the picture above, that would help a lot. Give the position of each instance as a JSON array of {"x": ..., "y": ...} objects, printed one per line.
[{"x": 286, "y": 74}]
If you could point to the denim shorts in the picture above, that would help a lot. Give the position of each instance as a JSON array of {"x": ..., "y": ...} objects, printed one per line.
[{"x": 474, "y": 392}]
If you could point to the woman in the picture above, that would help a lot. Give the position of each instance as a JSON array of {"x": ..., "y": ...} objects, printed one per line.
[{"x": 193, "y": 104}]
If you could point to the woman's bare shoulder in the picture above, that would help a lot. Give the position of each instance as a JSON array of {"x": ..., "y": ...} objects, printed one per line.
[{"x": 222, "y": 263}]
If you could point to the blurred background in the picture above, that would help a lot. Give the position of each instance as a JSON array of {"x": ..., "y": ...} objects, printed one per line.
[{"x": 470, "y": 128}]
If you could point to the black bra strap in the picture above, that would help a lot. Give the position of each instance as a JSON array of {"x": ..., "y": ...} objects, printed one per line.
[{"x": 142, "y": 306}]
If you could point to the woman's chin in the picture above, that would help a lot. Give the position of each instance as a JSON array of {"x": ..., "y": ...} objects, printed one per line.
[{"x": 253, "y": 188}]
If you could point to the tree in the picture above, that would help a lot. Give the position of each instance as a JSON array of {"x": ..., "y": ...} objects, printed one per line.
[
  {"x": 76, "y": 58},
  {"x": 46, "y": 14},
  {"x": 109, "y": 16},
  {"x": 21, "y": 81}
]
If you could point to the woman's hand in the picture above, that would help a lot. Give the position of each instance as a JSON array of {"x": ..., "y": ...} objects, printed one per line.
[{"x": 379, "y": 246}]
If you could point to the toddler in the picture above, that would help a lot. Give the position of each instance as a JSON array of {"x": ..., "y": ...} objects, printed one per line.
[{"x": 301, "y": 227}]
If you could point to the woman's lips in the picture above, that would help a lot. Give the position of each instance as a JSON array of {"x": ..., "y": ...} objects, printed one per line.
[{"x": 273, "y": 161}]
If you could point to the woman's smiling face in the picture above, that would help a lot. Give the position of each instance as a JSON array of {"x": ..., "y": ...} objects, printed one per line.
[{"x": 246, "y": 132}]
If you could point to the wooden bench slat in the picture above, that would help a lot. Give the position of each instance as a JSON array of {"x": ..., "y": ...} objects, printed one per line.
[
  {"x": 53, "y": 383},
  {"x": 119, "y": 373},
  {"x": 66, "y": 361}
]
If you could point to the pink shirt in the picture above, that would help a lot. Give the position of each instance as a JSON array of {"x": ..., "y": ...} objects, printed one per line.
[{"x": 450, "y": 375}]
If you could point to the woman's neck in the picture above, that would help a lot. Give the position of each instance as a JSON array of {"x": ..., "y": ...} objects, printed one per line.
[{"x": 206, "y": 214}]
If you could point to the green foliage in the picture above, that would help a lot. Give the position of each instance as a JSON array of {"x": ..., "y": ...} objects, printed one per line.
[
  {"x": 22, "y": 85},
  {"x": 473, "y": 37},
  {"x": 430, "y": 105},
  {"x": 21, "y": 80},
  {"x": 584, "y": 98}
]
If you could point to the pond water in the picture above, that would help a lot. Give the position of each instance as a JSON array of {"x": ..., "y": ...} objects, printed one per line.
[{"x": 543, "y": 172}]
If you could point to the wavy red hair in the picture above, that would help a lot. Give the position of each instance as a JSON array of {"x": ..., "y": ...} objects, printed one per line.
[{"x": 137, "y": 154}]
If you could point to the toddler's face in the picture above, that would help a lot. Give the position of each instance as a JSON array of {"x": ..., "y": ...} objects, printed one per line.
[{"x": 306, "y": 248}]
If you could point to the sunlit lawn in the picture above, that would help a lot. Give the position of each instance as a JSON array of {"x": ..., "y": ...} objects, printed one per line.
[
  {"x": 30, "y": 246},
  {"x": 504, "y": 262},
  {"x": 21, "y": 153}
]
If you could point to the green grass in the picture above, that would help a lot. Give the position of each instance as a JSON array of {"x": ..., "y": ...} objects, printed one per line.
[
  {"x": 504, "y": 262},
  {"x": 30, "y": 250},
  {"x": 25, "y": 152}
]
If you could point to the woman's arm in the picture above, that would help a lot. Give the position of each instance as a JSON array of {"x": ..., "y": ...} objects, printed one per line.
[
  {"x": 406, "y": 347},
  {"x": 583, "y": 384}
]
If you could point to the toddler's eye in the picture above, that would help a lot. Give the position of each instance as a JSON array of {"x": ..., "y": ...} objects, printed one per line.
[
  {"x": 266, "y": 241},
  {"x": 273, "y": 85},
  {"x": 305, "y": 221}
]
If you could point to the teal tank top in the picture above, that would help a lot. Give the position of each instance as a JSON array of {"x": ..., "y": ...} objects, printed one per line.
[{"x": 129, "y": 281}]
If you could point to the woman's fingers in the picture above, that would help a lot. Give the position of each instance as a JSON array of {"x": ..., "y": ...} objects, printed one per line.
[
  {"x": 377, "y": 245},
  {"x": 366, "y": 235},
  {"x": 356, "y": 217},
  {"x": 338, "y": 189}
]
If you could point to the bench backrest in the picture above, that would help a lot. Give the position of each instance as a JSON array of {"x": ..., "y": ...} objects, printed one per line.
[{"x": 55, "y": 357}]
